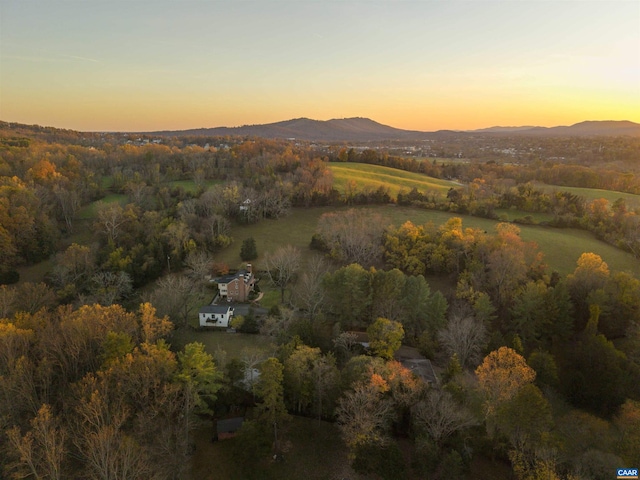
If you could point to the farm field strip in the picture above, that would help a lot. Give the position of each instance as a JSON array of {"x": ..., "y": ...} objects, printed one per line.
[
  {"x": 590, "y": 194},
  {"x": 374, "y": 176}
]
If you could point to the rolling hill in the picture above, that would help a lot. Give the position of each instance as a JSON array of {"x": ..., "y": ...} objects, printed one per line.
[
  {"x": 364, "y": 129},
  {"x": 582, "y": 129},
  {"x": 345, "y": 129}
]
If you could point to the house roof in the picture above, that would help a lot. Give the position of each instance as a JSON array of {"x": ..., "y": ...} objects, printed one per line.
[
  {"x": 228, "y": 425},
  {"x": 421, "y": 367},
  {"x": 232, "y": 276},
  {"x": 215, "y": 309}
]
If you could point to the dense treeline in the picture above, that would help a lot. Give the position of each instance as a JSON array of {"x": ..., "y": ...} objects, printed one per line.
[
  {"x": 146, "y": 223},
  {"x": 524, "y": 357},
  {"x": 97, "y": 393},
  {"x": 560, "y": 332}
]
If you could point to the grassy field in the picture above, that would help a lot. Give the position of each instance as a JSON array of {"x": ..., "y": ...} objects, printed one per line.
[
  {"x": 190, "y": 185},
  {"x": 374, "y": 176},
  {"x": 232, "y": 343},
  {"x": 89, "y": 211},
  {"x": 313, "y": 450},
  {"x": 562, "y": 247},
  {"x": 295, "y": 229},
  {"x": 594, "y": 193}
]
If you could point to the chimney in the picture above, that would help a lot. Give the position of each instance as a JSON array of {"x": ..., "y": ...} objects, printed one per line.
[{"x": 249, "y": 268}]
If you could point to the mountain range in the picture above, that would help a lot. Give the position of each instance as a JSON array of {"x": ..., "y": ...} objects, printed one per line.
[{"x": 365, "y": 129}]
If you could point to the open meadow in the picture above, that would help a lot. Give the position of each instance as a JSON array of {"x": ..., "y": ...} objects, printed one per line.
[
  {"x": 89, "y": 211},
  {"x": 632, "y": 200},
  {"x": 373, "y": 176},
  {"x": 562, "y": 247}
]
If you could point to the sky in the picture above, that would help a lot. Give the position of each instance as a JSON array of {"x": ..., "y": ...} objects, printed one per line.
[{"x": 143, "y": 65}]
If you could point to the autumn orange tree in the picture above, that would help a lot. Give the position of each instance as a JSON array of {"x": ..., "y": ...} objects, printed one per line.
[{"x": 501, "y": 375}]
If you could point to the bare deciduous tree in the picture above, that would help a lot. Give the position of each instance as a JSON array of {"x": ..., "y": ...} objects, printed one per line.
[
  {"x": 7, "y": 300},
  {"x": 279, "y": 325},
  {"x": 364, "y": 416},
  {"x": 110, "y": 218},
  {"x": 282, "y": 265},
  {"x": 200, "y": 264},
  {"x": 31, "y": 297},
  {"x": 275, "y": 203},
  {"x": 345, "y": 342},
  {"x": 439, "y": 415},
  {"x": 251, "y": 358},
  {"x": 69, "y": 201},
  {"x": 109, "y": 287},
  {"x": 108, "y": 453},
  {"x": 354, "y": 236},
  {"x": 176, "y": 297},
  {"x": 465, "y": 336},
  {"x": 41, "y": 451},
  {"x": 309, "y": 292}
]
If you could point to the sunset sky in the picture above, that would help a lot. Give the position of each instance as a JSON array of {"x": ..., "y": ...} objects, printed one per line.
[{"x": 137, "y": 65}]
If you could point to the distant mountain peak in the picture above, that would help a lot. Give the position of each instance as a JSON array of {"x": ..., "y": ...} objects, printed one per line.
[
  {"x": 581, "y": 129},
  {"x": 361, "y": 129}
]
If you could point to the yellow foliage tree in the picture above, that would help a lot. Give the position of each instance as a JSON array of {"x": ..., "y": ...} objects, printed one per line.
[{"x": 501, "y": 375}]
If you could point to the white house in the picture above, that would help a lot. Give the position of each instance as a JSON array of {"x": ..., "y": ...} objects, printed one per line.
[{"x": 215, "y": 316}]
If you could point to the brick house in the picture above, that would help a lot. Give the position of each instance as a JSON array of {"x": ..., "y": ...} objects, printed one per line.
[{"x": 236, "y": 287}]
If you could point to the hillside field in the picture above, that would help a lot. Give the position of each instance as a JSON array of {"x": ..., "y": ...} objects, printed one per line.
[
  {"x": 374, "y": 176},
  {"x": 562, "y": 247},
  {"x": 590, "y": 194}
]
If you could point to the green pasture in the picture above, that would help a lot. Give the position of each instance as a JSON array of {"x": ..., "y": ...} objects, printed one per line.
[
  {"x": 190, "y": 185},
  {"x": 374, "y": 176},
  {"x": 88, "y": 212},
  {"x": 106, "y": 181},
  {"x": 562, "y": 247},
  {"x": 590, "y": 194},
  {"x": 295, "y": 229}
]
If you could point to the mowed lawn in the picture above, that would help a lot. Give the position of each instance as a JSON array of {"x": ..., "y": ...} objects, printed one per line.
[
  {"x": 232, "y": 343},
  {"x": 562, "y": 247},
  {"x": 374, "y": 176}
]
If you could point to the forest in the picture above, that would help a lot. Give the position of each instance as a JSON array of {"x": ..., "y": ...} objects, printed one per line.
[{"x": 108, "y": 243}]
